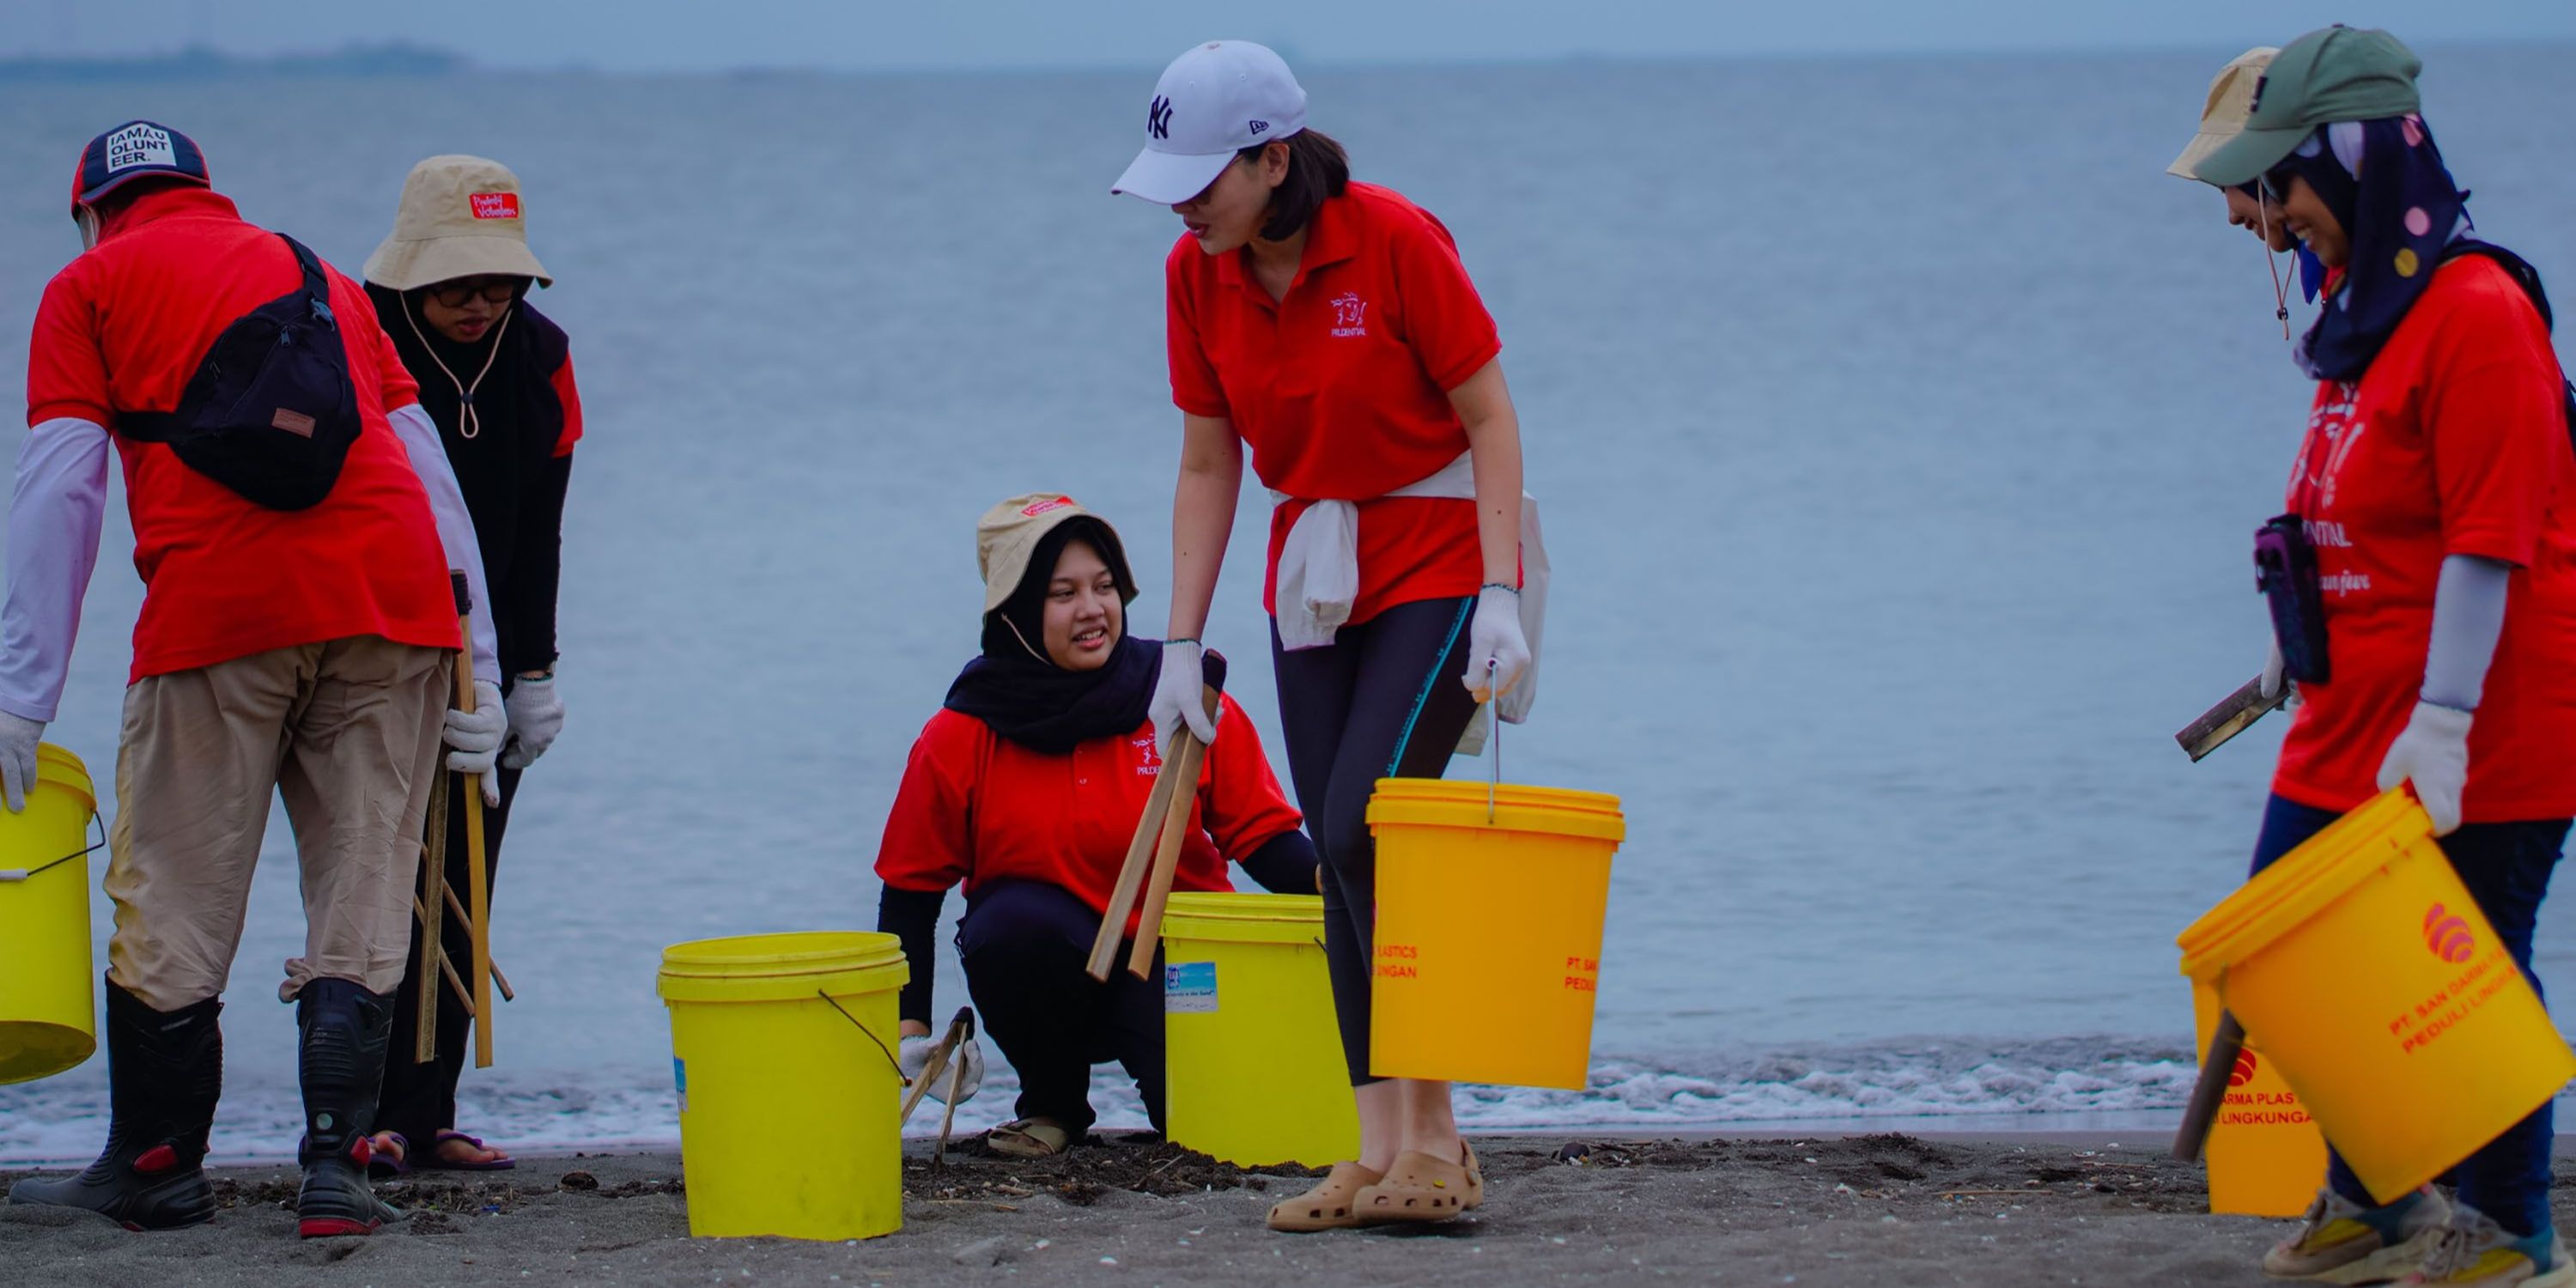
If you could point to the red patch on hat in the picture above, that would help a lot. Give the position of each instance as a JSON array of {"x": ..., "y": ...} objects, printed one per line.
[
  {"x": 495, "y": 205},
  {"x": 1043, "y": 507}
]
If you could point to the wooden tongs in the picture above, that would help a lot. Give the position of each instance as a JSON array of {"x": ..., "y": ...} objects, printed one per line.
[
  {"x": 960, "y": 1030},
  {"x": 1159, "y": 832}
]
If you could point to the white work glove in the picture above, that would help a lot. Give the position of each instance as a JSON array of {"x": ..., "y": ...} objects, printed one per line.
[
  {"x": 913, "y": 1055},
  {"x": 1497, "y": 655},
  {"x": 536, "y": 716},
  {"x": 18, "y": 738},
  {"x": 2433, "y": 754},
  {"x": 475, "y": 739},
  {"x": 2275, "y": 672},
  {"x": 1180, "y": 696}
]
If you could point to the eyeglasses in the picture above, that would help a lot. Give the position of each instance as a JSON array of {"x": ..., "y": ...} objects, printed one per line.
[{"x": 494, "y": 290}]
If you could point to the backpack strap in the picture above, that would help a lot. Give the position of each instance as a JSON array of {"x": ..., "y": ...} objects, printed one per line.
[
  {"x": 2528, "y": 278},
  {"x": 317, "y": 288}
]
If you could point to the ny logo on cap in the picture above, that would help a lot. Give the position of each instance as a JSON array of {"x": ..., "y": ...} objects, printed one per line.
[{"x": 1158, "y": 118}]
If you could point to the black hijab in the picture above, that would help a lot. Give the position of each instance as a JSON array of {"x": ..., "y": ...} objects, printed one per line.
[
  {"x": 1030, "y": 700},
  {"x": 2401, "y": 212},
  {"x": 511, "y": 371}
]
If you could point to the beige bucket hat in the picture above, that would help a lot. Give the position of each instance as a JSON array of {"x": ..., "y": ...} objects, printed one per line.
[
  {"x": 1008, "y": 535},
  {"x": 2231, "y": 101},
  {"x": 461, "y": 216}
]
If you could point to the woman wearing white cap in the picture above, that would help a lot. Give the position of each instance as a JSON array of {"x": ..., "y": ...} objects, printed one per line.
[
  {"x": 1329, "y": 326},
  {"x": 450, "y": 286}
]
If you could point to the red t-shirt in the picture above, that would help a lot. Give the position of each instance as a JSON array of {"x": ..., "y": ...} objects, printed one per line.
[
  {"x": 123, "y": 329},
  {"x": 976, "y": 807},
  {"x": 1341, "y": 389},
  {"x": 2452, "y": 443}
]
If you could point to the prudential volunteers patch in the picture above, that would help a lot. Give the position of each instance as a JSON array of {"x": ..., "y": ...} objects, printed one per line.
[{"x": 140, "y": 144}]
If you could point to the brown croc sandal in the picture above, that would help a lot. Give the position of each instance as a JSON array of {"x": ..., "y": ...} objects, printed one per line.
[
  {"x": 1029, "y": 1138},
  {"x": 1420, "y": 1187},
  {"x": 1332, "y": 1205},
  {"x": 1475, "y": 1178}
]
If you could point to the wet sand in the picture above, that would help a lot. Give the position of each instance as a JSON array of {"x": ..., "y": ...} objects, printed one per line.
[{"x": 1869, "y": 1210}]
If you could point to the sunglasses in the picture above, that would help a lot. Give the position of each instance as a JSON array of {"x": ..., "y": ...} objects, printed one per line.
[
  {"x": 2276, "y": 185},
  {"x": 494, "y": 290}
]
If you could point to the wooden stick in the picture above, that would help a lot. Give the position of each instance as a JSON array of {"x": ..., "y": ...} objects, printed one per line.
[
  {"x": 455, "y": 982},
  {"x": 478, "y": 880},
  {"x": 2210, "y": 1093},
  {"x": 948, "y": 1120},
  {"x": 433, "y": 908},
  {"x": 2232, "y": 716},
  {"x": 1131, "y": 877},
  {"x": 499, "y": 980},
  {"x": 1167, "y": 856},
  {"x": 959, "y": 1029}
]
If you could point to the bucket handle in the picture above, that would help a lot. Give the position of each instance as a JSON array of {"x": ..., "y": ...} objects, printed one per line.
[
  {"x": 896, "y": 1064},
  {"x": 12, "y": 876}
]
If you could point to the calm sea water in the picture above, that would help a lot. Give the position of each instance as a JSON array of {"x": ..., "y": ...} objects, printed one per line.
[{"x": 1900, "y": 424}]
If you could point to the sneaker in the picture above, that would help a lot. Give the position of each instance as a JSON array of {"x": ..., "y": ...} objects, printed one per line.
[
  {"x": 2475, "y": 1252},
  {"x": 2342, "y": 1242}
]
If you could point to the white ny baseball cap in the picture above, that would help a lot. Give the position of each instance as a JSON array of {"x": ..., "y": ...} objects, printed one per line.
[{"x": 1214, "y": 101}]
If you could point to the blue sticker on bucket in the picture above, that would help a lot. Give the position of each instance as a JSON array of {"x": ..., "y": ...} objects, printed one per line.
[
  {"x": 1189, "y": 988},
  {"x": 680, "y": 1077}
]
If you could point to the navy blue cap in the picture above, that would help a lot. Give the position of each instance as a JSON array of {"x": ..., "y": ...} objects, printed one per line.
[{"x": 135, "y": 150}]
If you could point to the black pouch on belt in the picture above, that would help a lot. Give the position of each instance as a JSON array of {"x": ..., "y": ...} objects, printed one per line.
[{"x": 2285, "y": 569}]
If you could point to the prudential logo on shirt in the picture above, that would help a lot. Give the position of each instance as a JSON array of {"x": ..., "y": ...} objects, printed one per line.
[{"x": 1350, "y": 314}]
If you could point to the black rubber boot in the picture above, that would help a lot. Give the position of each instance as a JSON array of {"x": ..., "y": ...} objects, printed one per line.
[
  {"x": 165, "y": 1070},
  {"x": 346, "y": 1029}
]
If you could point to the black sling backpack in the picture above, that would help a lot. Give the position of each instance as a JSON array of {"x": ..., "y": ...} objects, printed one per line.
[
  {"x": 2528, "y": 278},
  {"x": 270, "y": 412}
]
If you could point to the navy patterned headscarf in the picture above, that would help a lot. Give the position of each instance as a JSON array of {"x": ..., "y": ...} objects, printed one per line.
[{"x": 2385, "y": 183}]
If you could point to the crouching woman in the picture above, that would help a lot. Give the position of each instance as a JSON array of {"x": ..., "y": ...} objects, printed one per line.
[{"x": 1026, "y": 788}]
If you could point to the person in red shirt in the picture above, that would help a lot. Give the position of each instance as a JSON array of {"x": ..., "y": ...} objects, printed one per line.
[
  {"x": 1328, "y": 326},
  {"x": 1026, "y": 788},
  {"x": 2434, "y": 643},
  {"x": 297, "y": 650}
]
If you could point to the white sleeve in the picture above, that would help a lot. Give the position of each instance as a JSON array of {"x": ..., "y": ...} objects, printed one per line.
[
  {"x": 455, "y": 529},
  {"x": 55, "y": 509}
]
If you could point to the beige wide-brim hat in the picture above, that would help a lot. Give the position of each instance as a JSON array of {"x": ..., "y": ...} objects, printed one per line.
[
  {"x": 2231, "y": 101},
  {"x": 461, "y": 217},
  {"x": 1008, "y": 535}
]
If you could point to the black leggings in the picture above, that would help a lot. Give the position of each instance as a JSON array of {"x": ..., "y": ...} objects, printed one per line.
[
  {"x": 1384, "y": 700},
  {"x": 1025, "y": 946}
]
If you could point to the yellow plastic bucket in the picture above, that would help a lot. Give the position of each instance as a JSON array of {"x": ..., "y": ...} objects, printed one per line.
[
  {"x": 2362, "y": 968},
  {"x": 787, "y": 1109},
  {"x": 1488, "y": 930},
  {"x": 1253, "y": 1063},
  {"x": 48, "y": 990},
  {"x": 2265, "y": 1154}
]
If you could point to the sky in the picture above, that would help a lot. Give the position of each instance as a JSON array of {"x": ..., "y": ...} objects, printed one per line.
[{"x": 715, "y": 35}]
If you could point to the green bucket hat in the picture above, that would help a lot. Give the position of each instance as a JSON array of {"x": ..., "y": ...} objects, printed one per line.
[{"x": 2337, "y": 74}]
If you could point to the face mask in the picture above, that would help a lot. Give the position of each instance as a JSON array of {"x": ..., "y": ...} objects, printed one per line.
[{"x": 88, "y": 221}]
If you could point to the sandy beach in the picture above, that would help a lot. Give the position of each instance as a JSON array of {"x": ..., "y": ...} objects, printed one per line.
[{"x": 1870, "y": 1210}]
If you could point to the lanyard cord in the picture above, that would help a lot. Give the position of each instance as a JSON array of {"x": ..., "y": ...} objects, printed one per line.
[
  {"x": 2280, "y": 296},
  {"x": 468, "y": 422}
]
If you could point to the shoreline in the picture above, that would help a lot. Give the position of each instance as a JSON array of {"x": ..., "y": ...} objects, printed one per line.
[{"x": 2008, "y": 1211}]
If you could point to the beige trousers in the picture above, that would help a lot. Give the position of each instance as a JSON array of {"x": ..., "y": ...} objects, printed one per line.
[{"x": 348, "y": 732}]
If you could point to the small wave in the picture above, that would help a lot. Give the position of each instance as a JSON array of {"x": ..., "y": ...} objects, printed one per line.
[{"x": 64, "y": 1120}]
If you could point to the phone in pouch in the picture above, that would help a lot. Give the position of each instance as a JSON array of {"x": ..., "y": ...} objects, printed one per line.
[{"x": 2285, "y": 569}]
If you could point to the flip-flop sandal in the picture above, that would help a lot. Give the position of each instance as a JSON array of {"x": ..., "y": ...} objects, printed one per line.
[
  {"x": 1028, "y": 1138},
  {"x": 1417, "y": 1187},
  {"x": 1332, "y": 1205},
  {"x": 434, "y": 1161},
  {"x": 387, "y": 1155}
]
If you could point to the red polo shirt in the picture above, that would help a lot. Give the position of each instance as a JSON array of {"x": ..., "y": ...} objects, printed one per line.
[
  {"x": 1341, "y": 389},
  {"x": 975, "y": 807},
  {"x": 122, "y": 329},
  {"x": 2452, "y": 443}
]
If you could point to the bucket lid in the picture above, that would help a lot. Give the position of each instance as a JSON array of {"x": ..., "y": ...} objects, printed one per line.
[
  {"x": 783, "y": 967},
  {"x": 63, "y": 769},
  {"x": 1239, "y": 917},
  {"x": 1436, "y": 802},
  {"x": 2321, "y": 870}
]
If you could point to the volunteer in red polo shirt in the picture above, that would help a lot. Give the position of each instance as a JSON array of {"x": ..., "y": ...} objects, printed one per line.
[
  {"x": 1026, "y": 788},
  {"x": 302, "y": 651},
  {"x": 2435, "y": 640},
  {"x": 1329, "y": 327}
]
